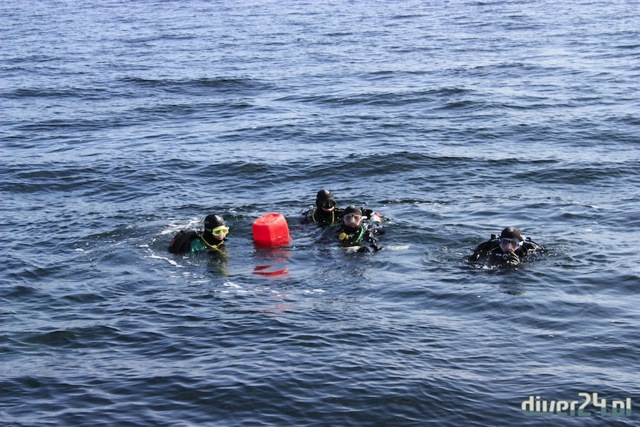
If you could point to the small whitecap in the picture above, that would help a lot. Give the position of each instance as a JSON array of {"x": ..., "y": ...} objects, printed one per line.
[
  {"x": 169, "y": 260},
  {"x": 231, "y": 285}
]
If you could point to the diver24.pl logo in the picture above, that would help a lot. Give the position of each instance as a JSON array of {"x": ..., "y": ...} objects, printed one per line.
[{"x": 585, "y": 406}]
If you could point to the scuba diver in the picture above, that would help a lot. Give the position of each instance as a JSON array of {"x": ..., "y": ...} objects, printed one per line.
[
  {"x": 355, "y": 232},
  {"x": 327, "y": 211},
  {"x": 510, "y": 249},
  {"x": 211, "y": 239}
]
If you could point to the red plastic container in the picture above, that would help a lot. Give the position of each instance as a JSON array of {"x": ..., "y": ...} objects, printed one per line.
[{"x": 271, "y": 230}]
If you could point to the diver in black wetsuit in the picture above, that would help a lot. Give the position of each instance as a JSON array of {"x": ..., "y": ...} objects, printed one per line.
[
  {"x": 327, "y": 211},
  {"x": 211, "y": 239},
  {"x": 354, "y": 232},
  {"x": 510, "y": 249}
]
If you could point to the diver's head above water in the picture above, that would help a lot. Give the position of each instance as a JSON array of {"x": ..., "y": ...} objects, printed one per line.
[
  {"x": 325, "y": 200},
  {"x": 510, "y": 239},
  {"x": 214, "y": 226},
  {"x": 352, "y": 217}
]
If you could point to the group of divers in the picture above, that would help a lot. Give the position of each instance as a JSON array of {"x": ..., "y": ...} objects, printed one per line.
[{"x": 356, "y": 227}]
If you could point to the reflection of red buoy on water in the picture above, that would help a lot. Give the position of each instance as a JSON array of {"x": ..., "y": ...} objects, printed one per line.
[
  {"x": 271, "y": 230},
  {"x": 269, "y": 270}
]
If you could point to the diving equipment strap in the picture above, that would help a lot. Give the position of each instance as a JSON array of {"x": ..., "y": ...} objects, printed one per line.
[
  {"x": 333, "y": 216},
  {"x": 210, "y": 246},
  {"x": 345, "y": 236}
]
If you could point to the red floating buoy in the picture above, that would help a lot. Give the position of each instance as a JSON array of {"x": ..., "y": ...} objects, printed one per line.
[{"x": 271, "y": 230}]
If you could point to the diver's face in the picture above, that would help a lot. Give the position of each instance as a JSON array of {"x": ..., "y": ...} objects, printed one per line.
[
  {"x": 328, "y": 205},
  {"x": 352, "y": 220},
  {"x": 219, "y": 233},
  {"x": 509, "y": 245}
]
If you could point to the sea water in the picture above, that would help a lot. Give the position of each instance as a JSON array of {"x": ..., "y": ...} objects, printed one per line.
[{"x": 123, "y": 122}]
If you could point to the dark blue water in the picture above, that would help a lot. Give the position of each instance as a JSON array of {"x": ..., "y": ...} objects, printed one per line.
[{"x": 123, "y": 122}]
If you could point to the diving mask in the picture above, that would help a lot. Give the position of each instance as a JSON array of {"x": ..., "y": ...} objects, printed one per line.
[
  {"x": 509, "y": 245},
  {"x": 220, "y": 232}
]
